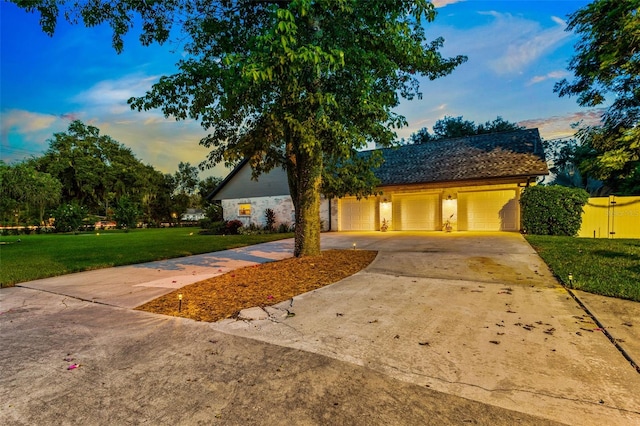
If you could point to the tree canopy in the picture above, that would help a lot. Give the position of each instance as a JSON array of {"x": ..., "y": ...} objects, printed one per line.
[
  {"x": 299, "y": 84},
  {"x": 100, "y": 176},
  {"x": 94, "y": 169},
  {"x": 607, "y": 70},
  {"x": 24, "y": 190},
  {"x": 457, "y": 127}
]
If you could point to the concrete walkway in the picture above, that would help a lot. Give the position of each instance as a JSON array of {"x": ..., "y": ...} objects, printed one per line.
[
  {"x": 133, "y": 285},
  {"x": 440, "y": 329}
]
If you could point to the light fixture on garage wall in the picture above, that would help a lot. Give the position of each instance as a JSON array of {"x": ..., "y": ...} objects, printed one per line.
[{"x": 449, "y": 197}]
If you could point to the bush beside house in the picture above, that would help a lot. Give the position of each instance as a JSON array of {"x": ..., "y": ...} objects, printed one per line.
[{"x": 552, "y": 210}]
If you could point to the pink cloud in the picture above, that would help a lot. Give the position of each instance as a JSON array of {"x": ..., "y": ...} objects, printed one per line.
[{"x": 559, "y": 126}]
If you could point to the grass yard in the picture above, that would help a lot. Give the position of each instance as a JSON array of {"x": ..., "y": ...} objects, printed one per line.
[
  {"x": 600, "y": 266},
  {"x": 41, "y": 256}
]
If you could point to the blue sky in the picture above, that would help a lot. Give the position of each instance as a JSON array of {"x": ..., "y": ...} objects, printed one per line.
[{"x": 517, "y": 50}]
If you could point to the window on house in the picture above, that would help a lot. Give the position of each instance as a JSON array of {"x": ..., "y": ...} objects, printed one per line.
[{"x": 244, "y": 210}]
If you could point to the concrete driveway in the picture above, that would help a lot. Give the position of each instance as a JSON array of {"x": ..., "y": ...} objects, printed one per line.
[
  {"x": 440, "y": 329},
  {"x": 473, "y": 315}
]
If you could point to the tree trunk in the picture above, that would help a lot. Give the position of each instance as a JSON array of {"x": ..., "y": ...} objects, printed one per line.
[{"x": 304, "y": 172}]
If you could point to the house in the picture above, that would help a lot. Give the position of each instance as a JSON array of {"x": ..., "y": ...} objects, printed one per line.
[
  {"x": 471, "y": 183},
  {"x": 192, "y": 215}
]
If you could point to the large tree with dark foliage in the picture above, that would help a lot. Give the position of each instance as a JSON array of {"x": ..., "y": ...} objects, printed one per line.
[
  {"x": 297, "y": 84},
  {"x": 607, "y": 70}
]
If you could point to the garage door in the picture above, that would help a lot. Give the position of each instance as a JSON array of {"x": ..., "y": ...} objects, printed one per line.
[
  {"x": 416, "y": 212},
  {"x": 488, "y": 211},
  {"x": 357, "y": 215}
]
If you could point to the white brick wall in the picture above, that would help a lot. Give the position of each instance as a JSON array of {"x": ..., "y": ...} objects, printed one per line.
[{"x": 282, "y": 207}]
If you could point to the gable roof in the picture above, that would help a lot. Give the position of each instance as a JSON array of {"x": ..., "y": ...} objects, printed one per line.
[
  {"x": 517, "y": 154},
  {"x": 226, "y": 180},
  {"x": 493, "y": 155}
]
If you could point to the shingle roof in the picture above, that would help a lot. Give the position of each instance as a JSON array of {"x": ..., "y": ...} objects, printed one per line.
[{"x": 494, "y": 155}]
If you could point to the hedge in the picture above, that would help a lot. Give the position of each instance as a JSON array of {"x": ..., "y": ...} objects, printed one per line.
[{"x": 552, "y": 210}]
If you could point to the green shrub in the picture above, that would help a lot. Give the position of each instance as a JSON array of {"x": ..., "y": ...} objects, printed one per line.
[
  {"x": 232, "y": 226},
  {"x": 284, "y": 228},
  {"x": 552, "y": 210},
  {"x": 270, "y": 219},
  {"x": 251, "y": 229},
  {"x": 69, "y": 217},
  {"x": 214, "y": 228},
  {"x": 126, "y": 213}
]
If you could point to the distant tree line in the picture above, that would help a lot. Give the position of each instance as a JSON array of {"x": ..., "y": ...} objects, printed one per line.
[
  {"x": 87, "y": 174},
  {"x": 457, "y": 127}
]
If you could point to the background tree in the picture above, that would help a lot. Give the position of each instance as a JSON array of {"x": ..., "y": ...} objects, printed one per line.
[
  {"x": 421, "y": 136},
  {"x": 206, "y": 187},
  {"x": 126, "y": 213},
  {"x": 46, "y": 192},
  {"x": 496, "y": 126},
  {"x": 151, "y": 189},
  {"x": 458, "y": 127},
  {"x": 186, "y": 178},
  {"x": 607, "y": 65},
  {"x": 283, "y": 83},
  {"x": 450, "y": 127},
  {"x": 25, "y": 193},
  {"x": 8, "y": 201},
  {"x": 94, "y": 169},
  {"x": 563, "y": 156},
  {"x": 161, "y": 205}
]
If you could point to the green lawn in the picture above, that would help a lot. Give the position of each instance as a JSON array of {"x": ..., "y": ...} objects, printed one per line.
[
  {"x": 600, "y": 266},
  {"x": 41, "y": 256}
]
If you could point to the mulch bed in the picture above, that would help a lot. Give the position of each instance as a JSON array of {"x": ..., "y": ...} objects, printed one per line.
[{"x": 265, "y": 284}]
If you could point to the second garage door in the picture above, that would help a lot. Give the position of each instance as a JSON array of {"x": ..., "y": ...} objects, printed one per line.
[
  {"x": 488, "y": 211},
  {"x": 416, "y": 212}
]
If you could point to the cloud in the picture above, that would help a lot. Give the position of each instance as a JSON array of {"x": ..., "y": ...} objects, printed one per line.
[
  {"x": 561, "y": 126},
  {"x": 555, "y": 75},
  {"x": 25, "y": 121},
  {"x": 155, "y": 139},
  {"x": 443, "y": 3},
  {"x": 115, "y": 92},
  {"x": 25, "y": 133},
  {"x": 503, "y": 44},
  {"x": 525, "y": 42}
]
